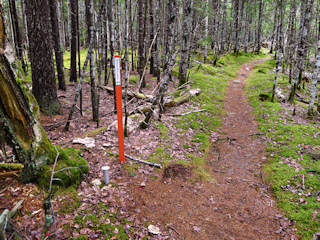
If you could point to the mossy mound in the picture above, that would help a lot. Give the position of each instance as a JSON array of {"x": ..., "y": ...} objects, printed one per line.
[{"x": 70, "y": 160}]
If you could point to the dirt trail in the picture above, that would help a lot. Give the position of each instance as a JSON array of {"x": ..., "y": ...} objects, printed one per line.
[{"x": 239, "y": 204}]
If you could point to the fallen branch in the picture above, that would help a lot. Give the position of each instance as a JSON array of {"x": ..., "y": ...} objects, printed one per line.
[
  {"x": 175, "y": 231},
  {"x": 3, "y": 224},
  {"x": 3, "y": 156},
  {"x": 258, "y": 134},
  {"x": 186, "y": 113},
  {"x": 143, "y": 161},
  {"x": 14, "y": 210},
  {"x": 300, "y": 99}
]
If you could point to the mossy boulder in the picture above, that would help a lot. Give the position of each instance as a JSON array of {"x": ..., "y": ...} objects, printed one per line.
[{"x": 70, "y": 160}]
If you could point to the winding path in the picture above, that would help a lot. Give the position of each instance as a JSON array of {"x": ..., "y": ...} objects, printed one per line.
[{"x": 247, "y": 208}]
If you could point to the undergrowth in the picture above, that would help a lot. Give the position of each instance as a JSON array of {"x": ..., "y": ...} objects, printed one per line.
[{"x": 292, "y": 170}]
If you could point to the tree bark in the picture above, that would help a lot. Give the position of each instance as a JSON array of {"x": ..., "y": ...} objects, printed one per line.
[
  {"x": 185, "y": 43},
  {"x": 56, "y": 44},
  {"x": 94, "y": 90},
  {"x": 73, "y": 51},
  {"x": 280, "y": 47},
  {"x": 112, "y": 47},
  {"x": 153, "y": 51},
  {"x": 236, "y": 27},
  {"x": 20, "y": 116},
  {"x": 41, "y": 55},
  {"x": 260, "y": 26},
  {"x": 17, "y": 35},
  {"x": 315, "y": 78},
  {"x": 223, "y": 30},
  {"x": 301, "y": 49},
  {"x": 206, "y": 26}
]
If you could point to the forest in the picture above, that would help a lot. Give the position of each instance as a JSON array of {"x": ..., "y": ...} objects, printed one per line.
[{"x": 215, "y": 103}]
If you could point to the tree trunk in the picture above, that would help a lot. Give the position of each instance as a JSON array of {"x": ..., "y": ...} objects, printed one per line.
[
  {"x": 126, "y": 75},
  {"x": 88, "y": 19},
  {"x": 169, "y": 62},
  {"x": 17, "y": 35},
  {"x": 56, "y": 44},
  {"x": 206, "y": 26},
  {"x": 151, "y": 20},
  {"x": 141, "y": 6},
  {"x": 315, "y": 78},
  {"x": 20, "y": 116},
  {"x": 260, "y": 26},
  {"x": 94, "y": 90},
  {"x": 246, "y": 31},
  {"x": 185, "y": 44},
  {"x": 73, "y": 51},
  {"x": 158, "y": 42},
  {"x": 236, "y": 27},
  {"x": 223, "y": 30},
  {"x": 301, "y": 49},
  {"x": 41, "y": 55},
  {"x": 112, "y": 47},
  {"x": 280, "y": 47}
]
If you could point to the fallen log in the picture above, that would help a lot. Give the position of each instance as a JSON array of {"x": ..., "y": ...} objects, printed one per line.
[
  {"x": 129, "y": 94},
  {"x": 300, "y": 99},
  {"x": 10, "y": 169},
  {"x": 183, "y": 98}
]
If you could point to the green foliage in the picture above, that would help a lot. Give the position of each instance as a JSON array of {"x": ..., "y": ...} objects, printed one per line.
[{"x": 290, "y": 143}]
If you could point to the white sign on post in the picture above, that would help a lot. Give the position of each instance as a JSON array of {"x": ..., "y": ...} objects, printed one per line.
[{"x": 117, "y": 70}]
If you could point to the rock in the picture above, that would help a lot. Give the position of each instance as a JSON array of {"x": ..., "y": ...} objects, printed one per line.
[
  {"x": 237, "y": 81},
  {"x": 154, "y": 230},
  {"x": 87, "y": 141},
  {"x": 196, "y": 228},
  {"x": 96, "y": 182},
  {"x": 107, "y": 145},
  {"x": 143, "y": 184}
]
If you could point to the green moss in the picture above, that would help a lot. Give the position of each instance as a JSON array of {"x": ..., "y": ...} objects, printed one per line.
[
  {"x": 73, "y": 201},
  {"x": 289, "y": 142},
  {"x": 133, "y": 79},
  {"x": 68, "y": 157},
  {"x": 262, "y": 70}
]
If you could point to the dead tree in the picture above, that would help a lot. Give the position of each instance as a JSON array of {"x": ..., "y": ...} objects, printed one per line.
[{"x": 56, "y": 44}]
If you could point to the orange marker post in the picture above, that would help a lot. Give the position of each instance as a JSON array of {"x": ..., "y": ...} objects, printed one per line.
[{"x": 119, "y": 108}]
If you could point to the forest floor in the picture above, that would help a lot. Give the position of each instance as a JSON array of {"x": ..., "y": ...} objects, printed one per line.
[{"x": 223, "y": 196}]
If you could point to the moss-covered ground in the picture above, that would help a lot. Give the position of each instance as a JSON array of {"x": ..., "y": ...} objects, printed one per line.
[{"x": 293, "y": 171}]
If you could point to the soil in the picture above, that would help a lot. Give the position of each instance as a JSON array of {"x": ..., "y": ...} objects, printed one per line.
[{"x": 237, "y": 204}]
